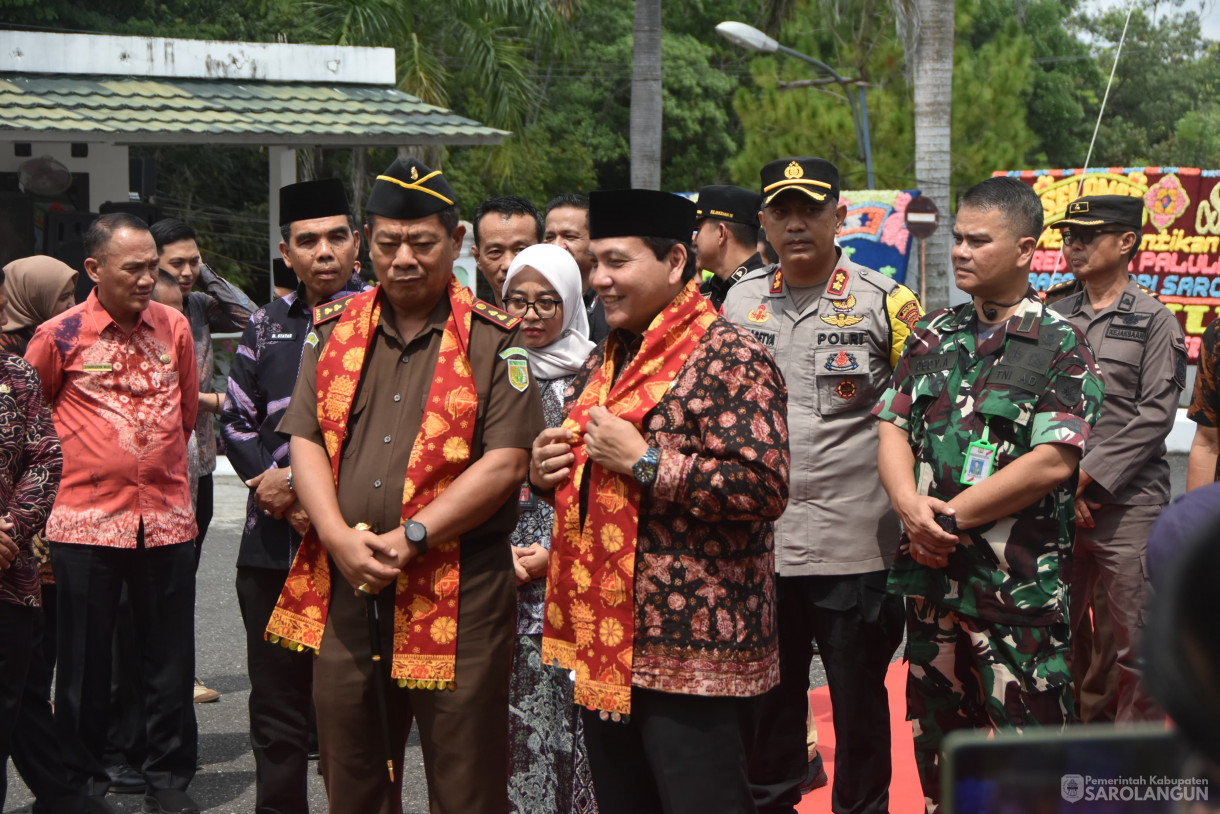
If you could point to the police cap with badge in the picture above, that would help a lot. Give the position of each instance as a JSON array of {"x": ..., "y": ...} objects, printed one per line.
[
  {"x": 1092, "y": 211},
  {"x": 640, "y": 213},
  {"x": 308, "y": 200},
  {"x": 408, "y": 190},
  {"x": 730, "y": 203},
  {"x": 816, "y": 177}
]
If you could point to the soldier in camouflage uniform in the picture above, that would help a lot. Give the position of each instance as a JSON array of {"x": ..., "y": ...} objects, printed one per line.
[{"x": 981, "y": 433}]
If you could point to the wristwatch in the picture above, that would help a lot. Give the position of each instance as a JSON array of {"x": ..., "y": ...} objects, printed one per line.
[
  {"x": 288, "y": 478},
  {"x": 645, "y": 469},
  {"x": 417, "y": 533},
  {"x": 948, "y": 522}
]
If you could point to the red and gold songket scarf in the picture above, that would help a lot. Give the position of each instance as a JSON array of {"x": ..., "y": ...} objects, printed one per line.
[
  {"x": 426, "y": 595},
  {"x": 590, "y": 596}
]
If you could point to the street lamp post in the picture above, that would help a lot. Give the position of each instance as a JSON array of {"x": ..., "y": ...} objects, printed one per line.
[{"x": 750, "y": 38}]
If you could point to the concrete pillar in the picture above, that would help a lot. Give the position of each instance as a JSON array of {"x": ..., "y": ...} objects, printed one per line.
[{"x": 283, "y": 171}]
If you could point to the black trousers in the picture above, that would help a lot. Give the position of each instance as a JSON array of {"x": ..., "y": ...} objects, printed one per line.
[
  {"x": 204, "y": 506},
  {"x": 281, "y": 689},
  {"x": 677, "y": 754},
  {"x": 858, "y": 628},
  {"x": 35, "y": 749},
  {"x": 17, "y": 623},
  {"x": 161, "y": 588}
]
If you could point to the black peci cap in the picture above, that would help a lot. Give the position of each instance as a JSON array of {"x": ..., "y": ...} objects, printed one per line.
[
  {"x": 729, "y": 203},
  {"x": 640, "y": 213},
  {"x": 313, "y": 199},
  {"x": 408, "y": 190},
  {"x": 816, "y": 177},
  {"x": 1100, "y": 210}
]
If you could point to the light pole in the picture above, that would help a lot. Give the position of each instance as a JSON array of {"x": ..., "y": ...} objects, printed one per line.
[{"x": 750, "y": 38}]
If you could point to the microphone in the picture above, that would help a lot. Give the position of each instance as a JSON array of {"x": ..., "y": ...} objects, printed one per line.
[{"x": 991, "y": 313}]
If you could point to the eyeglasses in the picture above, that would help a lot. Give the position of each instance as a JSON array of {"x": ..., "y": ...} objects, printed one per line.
[
  {"x": 1086, "y": 236},
  {"x": 544, "y": 307}
]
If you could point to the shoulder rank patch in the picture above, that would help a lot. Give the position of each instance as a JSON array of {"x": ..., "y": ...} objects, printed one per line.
[
  {"x": 838, "y": 283},
  {"x": 329, "y": 310},
  {"x": 496, "y": 317}
]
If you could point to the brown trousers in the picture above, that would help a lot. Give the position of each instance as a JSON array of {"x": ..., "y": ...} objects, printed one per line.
[
  {"x": 463, "y": 732},
  {"x": 1110, "y": 557}
]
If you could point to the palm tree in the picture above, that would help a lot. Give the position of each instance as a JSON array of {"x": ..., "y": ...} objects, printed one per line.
[
  {"x": 928, "y": 36},
  {"x": 645, "y": 128},
  {"x": 928, "y": 30}
]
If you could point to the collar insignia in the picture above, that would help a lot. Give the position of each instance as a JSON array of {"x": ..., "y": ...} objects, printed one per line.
[
  {"x": 838, "y": 283},
  {"x": 777, "y": 282}
]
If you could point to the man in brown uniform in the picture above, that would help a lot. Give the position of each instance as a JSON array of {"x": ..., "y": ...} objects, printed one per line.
[
  {"x": 394, "y": 424},
  {"x": 1124, "y": 477}
]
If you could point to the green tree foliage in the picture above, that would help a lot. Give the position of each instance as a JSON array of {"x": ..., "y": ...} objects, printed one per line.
[{"x": 1164, "y": 72}]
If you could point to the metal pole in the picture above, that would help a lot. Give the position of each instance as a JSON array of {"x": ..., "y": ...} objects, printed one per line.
[
  {"x": 923, "y": 271},
  {"x": 868, "y": 139},
  {"x": 863, "y": 147}
]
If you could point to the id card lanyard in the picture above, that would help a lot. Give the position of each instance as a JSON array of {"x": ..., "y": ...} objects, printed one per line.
[{"x": 980, "y": 460}]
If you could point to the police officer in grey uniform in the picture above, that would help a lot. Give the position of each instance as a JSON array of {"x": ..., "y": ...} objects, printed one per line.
[
  {"x": 1124, "y": 477},
  {"x": 837, "y": 330}
]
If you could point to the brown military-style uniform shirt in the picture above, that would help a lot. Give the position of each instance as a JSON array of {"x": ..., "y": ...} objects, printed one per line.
[
  {"x": 1142, "y": 354},
  {"x": 389, "y": 407}
]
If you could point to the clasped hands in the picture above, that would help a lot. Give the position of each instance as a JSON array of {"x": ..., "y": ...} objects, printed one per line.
[
  {"x": 275, "y": 499},
  {"x": 930, "y": 545},
  {"x": 369, "y": 561},
  {"x": 613, "y": 442}
]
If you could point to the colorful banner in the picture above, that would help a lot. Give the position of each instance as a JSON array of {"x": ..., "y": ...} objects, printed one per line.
[
  {"x": 1179, "y": 254},
  {"x": 874, "y": 234}
]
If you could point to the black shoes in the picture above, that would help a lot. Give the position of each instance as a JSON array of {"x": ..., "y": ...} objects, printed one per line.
[
  {"x": 169, "y": 801},
  {"x": 125, "y": 780},
  {"x": 815, "y": 775}
]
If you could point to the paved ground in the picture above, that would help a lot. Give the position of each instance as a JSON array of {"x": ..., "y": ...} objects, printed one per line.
[{"x": 225, "y": 783}]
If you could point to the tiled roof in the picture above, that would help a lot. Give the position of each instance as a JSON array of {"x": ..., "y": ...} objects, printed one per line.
[{"x": 176, "y": 111}]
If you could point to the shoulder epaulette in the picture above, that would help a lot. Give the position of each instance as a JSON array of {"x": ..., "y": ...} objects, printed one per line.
[
  {"x": 1156, "y": 296},
  {"x": 495, "y": 316},
  {"x": 329, "y": 310},
  {"x": 1060, "y": 291}
]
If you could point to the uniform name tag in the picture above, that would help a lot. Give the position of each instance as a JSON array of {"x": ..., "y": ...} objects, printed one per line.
[
  {"x": 1133, "y": 327},
  {"x": 765, "y": 338},
  {"x": 1032, "y": 357},
  {"x": 842, "y": 338},
  {"x": 97, "y": 367},
  {"x": 935, "y": 363},
  {"x": 1018, "y": 376},
  {"x": 281, "y": 337}
]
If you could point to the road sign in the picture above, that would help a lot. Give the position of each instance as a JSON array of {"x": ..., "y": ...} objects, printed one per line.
[{"x": 922, "y": 217}]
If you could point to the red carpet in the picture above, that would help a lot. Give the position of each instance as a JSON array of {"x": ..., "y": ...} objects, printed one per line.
[{"x": 906, "y": 797}]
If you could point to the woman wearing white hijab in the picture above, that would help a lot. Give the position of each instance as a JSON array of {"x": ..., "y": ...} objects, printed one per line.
[{"x": 548, "y": 767}]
